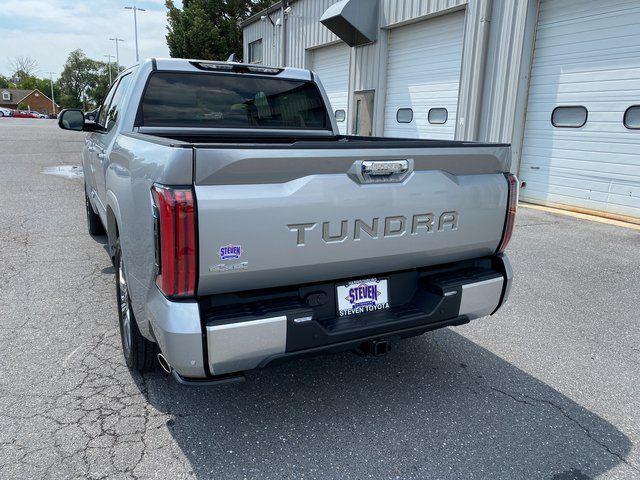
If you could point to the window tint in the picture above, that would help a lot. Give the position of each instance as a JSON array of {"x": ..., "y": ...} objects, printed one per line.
[
  {"x": 438, "y": 116},
  {"x": 632, "y": 117},
  {"x": 116, "y": 101},
  {"x": 214, "y": 100},
  {"x": 255, "y": 51},
  {"x": 404, "y": 115},
  {"x": 341, "y": 116},
  {"x": 102, "y": 116},
  {"x": 569, "y": 117}
]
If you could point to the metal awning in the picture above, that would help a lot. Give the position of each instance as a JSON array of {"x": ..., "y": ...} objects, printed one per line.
[{"x": 354, "y": 21}]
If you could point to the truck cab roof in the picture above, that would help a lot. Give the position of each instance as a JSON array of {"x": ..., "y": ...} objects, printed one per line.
[{"x": 195, "y": 65}]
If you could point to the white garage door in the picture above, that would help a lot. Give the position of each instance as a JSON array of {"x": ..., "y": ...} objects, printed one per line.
[
  {"x": 423, "y": 77},
  {"x": 331, "y": 63},
  {"x": 587, "y": 56}
]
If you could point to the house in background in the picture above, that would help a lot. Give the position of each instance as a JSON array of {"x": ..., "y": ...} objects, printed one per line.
[
  {"x": 559, "y": 80},
  {"x": 33, "y": 99}
]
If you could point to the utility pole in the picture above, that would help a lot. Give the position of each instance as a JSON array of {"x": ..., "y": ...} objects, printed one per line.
[
  {"x": 53, "y": 97},
  {"x": 135, "y": 25},
  {"x": 117, "y": 40},
  {"x": 109, "y": 57}
]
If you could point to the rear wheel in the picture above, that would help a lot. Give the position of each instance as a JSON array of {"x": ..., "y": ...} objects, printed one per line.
[
  {"x": 1, "y": 113},
  {"x": 94, "y": 224},
  {"x": 139, "y": 353}
]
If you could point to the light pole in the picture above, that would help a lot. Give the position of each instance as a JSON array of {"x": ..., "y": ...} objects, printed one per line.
[
  {"x": 109, "y": 57},
  {"x": 135, "y": 25},
  {"x": 117, "y": 40},
  {"x": 53, "y": 97}
]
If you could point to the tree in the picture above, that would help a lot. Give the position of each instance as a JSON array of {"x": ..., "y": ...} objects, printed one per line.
[
  {"x": 76, "y": 78},
  {"x": 99, "y": 87},
  {"x": 23, "y": 67},
  {"x": 84, "y": 82},
  {"x": 5, "y": 82},
  {"x": 208, "y": 29}
]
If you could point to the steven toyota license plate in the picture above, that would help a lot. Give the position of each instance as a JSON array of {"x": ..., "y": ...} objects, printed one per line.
[{"x": 361, "y": 296}]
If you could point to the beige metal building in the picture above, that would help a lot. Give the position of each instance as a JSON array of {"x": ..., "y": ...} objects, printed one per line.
[{"x": 558, "y": 79}]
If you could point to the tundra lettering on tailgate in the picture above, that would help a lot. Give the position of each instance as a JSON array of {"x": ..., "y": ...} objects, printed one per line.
[{"x": 393, "y": 226}]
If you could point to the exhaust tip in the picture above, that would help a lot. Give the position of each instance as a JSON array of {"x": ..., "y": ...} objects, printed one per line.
[{"x": 164, "y": 364}]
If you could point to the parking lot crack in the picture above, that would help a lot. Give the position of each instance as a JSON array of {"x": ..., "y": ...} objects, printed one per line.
[{"x": 531, "y": 401}]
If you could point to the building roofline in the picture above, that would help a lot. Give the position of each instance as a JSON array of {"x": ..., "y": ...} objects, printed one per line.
[
  {"x": 41, "y": 93},
  {"x": 19, "y": 89},
  {"x": 256, "y": 16}
]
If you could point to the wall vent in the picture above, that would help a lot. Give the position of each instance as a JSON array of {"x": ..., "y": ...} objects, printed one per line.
[{"x": 354, "y": 21}]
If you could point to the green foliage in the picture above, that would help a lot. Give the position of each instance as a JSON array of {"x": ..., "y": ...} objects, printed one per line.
[
  {"x": 100, "y": 86},
  {"x": 23, "y": 106},
  {"x": 208, "y": 29},
  {"x": 30, "y": 82},
  {"x": 76, "y": 79},
  {"x": 84, "y": 82},
  {"x": 5, "y": 82}
]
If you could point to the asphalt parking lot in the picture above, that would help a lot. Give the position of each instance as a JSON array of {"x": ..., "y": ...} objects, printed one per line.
[{"x": 549, "y": 388}]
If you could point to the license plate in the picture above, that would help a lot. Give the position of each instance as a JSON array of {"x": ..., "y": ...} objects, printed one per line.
[{"x": 362, "y": 296}]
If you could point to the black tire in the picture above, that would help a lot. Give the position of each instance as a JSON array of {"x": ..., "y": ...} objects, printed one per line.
[
  {"x": 94, "y": 224},
  {"x": 139, "y": 353}
]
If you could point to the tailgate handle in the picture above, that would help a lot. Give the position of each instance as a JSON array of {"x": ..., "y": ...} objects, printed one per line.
[{"x": 384, "y": 167}]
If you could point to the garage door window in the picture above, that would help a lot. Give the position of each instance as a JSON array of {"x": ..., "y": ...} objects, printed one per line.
[
  {"x": 632, "y": 117},
  {"x": 569, "y": 117},
  {"x": 438, "y": 116},
  {"x": 341, "y": 115},
  {"x": 404, "y": 115}
]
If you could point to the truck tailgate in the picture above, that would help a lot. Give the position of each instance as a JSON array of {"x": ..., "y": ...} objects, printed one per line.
[{"x": 280, "y": 216}]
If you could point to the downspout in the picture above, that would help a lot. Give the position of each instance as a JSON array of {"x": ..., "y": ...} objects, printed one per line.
[
  {"x": 283, "y": 34},
  {"x": 484, "y": 28}
]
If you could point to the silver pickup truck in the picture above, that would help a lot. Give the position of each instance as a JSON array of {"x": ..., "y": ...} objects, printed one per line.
[{"x": 246, "y": 231}]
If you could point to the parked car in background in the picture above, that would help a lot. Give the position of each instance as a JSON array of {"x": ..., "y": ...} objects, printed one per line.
[
  {"x": 5, "y": 112},
  {"x": 38, "y": 114},
  {"x": 24, "y": 114}
]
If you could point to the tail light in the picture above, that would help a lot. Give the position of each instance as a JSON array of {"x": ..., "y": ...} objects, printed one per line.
[
  {"x": 512, "y": 205},
  {"x": 175, "y": 240}
]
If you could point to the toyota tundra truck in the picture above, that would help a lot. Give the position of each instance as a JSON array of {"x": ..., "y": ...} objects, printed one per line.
[{"x": 246, "y": 231}]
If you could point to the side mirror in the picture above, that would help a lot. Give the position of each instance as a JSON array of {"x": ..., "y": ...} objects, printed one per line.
[{"x": 71, "y": 119}]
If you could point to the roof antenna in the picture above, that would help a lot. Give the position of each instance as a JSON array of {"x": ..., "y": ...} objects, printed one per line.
[{"x": 232, "y": 58}]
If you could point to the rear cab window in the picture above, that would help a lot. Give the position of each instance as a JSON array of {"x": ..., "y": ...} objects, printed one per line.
[{"x": 220, "y": 100}]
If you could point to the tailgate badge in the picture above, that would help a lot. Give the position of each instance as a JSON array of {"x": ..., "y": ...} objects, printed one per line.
[
  {"x": 384, "y": 167},
  {"x": 380, "y": 171}
]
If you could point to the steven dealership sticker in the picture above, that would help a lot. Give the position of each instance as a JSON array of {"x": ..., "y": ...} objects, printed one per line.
[
  {"x": 362, "y": 296},
  {"x": 230, "y": 252}
]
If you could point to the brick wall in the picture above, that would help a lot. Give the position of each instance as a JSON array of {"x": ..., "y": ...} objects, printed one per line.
[{"x": 39, "y": 102}]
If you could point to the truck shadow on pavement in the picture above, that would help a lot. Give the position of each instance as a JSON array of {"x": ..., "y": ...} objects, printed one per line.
[{"x": 439, "y": 406}]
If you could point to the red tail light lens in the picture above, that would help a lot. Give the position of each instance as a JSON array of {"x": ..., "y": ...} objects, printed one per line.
[
  {"x": 512, "y": 205},
  {"x": 176, "y": 241}
]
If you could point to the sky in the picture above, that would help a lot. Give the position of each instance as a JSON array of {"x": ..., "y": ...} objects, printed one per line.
[{"x": 48, "y": 30}]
